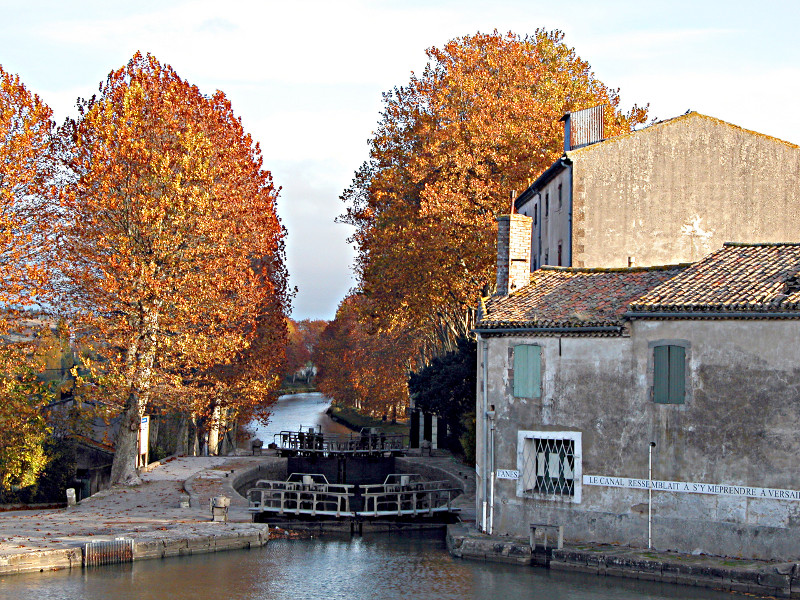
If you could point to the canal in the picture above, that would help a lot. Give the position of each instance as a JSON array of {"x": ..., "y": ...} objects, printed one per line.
[{"x": 410, "y": 566}]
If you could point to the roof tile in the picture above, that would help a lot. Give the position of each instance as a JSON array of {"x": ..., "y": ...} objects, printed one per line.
[
  {"x": 738, "y": 277},
  {"x": 573, "y": 297}
]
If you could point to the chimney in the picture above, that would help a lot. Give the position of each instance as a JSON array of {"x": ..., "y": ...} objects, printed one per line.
[
  {"x": 583, "y": 127},
  {"x": 513, "y": 253}
]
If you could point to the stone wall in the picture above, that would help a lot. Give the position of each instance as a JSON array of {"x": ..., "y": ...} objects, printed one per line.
[
  {"x": 738, "y": 426},
  {"x": 678, "y": 190}
]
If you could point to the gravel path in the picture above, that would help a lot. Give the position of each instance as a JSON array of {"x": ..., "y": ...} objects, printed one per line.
[{"x": 149, "y": 508}]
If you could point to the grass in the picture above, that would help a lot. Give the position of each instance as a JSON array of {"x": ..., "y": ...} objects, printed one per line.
[{"x": 298, "y": 387}]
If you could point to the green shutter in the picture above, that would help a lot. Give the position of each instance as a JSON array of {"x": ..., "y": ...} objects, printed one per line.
[
  {"x": 521, "y": 375},
  {"x": 677, "y": 361},
  {"x": 535, "y": 366},
  {"x": 661, "y": 374},
  {"x": 527, "y": 371}
]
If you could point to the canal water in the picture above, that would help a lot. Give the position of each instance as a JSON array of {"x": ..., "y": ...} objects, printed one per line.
[
  {"x": 295, "y": 411},
  {"x": 409, "y": 566}
]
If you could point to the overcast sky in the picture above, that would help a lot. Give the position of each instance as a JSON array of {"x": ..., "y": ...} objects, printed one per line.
[{"x": 307, "y": 76}]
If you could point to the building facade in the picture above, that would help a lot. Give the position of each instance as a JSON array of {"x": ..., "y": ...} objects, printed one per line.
[
  {"x": 587, "y": 374},
  {"x": 668, "y": 193}
]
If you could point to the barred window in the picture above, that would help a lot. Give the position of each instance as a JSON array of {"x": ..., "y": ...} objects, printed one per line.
[{"x": 549, "y": 465}]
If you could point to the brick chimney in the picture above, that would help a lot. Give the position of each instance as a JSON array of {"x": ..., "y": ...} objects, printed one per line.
[{"x": 513, "y": 253}]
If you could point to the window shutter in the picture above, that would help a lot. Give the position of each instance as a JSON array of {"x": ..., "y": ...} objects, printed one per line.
[
  {"x": 661, "y": 374},
  {"x": 677, "y": 358},
  {"x": 527, "y": 371},
  {"x": 521, "y": 373},
  {"x": 535, "y": 368}
]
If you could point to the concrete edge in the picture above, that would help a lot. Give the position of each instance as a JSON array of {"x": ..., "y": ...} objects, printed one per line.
[
  {"x": 408, "y": 461},
  {"x": 781, "y": 580},
  {"x": 144, "y": 549}
]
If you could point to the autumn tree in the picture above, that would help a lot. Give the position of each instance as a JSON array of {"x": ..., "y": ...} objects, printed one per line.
[
  {"x": 480, "y": 122},
  {"x": 362, "y": 371},
  {"x": 304, "y": 336},
  {"x": 173, "y": 271},
  {"x": 26, "y": 232}
]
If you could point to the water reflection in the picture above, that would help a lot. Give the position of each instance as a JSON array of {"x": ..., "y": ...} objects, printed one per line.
[
  {"x": 407, "y": 567},
  {"x": 298, "y": 410}
]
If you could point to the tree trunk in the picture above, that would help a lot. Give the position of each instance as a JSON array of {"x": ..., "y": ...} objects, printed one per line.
[
  {"x": 182, "y": 437},
  {"x": 194, "y": 437},
  {"x": 213, "y": 432},
  {"x": 140, "y": 359},
  {"x": 155, "y": 427},
  {"x": 126, "y": 448}
]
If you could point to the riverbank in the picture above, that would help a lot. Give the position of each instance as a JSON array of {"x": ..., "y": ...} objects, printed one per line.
[
  {"x": 760, "y": 578},
  {"x": 168, "y": 514},
  {"x": 356, "y": 421}
]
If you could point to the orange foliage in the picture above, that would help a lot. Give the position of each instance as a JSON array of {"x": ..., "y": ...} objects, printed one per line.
[
  {"x": 172, "y": 250},
  {"x": 26, "y": 172},
  {"x": 303, "y": 339},
  {"x": 26, "y": 231},
  {"x": 363, "y": 371},
  {"x": 481, "y": 121}
]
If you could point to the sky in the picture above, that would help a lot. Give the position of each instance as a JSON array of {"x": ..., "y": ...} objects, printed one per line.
[{"x": 307, "y": 76}]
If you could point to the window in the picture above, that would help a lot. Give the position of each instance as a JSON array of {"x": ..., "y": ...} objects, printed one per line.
[
  {"x": 527, "y": 371},
  {"x": 669, "y": 374},
  {"x": 560, "y": 202},
  {"x": 559, "y": 254},
  {"x": 547, "y": 204},
  {"x": 549, "y": 463},
  {"x": 535, "y": 213}
]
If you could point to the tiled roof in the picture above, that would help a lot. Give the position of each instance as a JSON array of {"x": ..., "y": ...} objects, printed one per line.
[
  {"x": 573, "y": 297},
  {"x": 736, "y": 278}
]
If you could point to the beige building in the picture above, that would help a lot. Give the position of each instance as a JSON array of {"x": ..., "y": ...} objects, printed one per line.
[
  {"x": 584, "y": 372},
  {"x": 668, "y": 193}
]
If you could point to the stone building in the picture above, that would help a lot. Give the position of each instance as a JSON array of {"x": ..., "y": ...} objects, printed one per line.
[
  {"x": 668, "y": 193},
  {"x": 581, "y": 369}
]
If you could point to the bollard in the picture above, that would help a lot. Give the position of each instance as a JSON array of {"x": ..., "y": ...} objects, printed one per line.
[
  {"x": 256, "y": 445},
  {"x": 425, "y": 446},
  {"x": 71, "y": 501},
  {"x": 219, "y": 508}
]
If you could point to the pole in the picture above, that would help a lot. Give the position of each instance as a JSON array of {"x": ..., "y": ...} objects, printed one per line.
[
  {"x": 491, "y": 497},
  {"x": 650, "y": 497},
  {"x": 485, "y": 458}
]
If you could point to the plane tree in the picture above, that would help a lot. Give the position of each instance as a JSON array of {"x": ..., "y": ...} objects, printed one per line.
[{"x": 172, "y": 257}]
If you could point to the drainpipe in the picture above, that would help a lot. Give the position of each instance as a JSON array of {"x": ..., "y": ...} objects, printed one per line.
[
  {"x": 569, "y": 212},
  {"x": 484, "y": 409},
  {"x": 538, "y": 231},
  {"x": 490, "y": 416},
  {"x": 650, "y": 496}
]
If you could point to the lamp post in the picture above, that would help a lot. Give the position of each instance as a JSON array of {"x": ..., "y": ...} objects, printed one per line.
[{"x": 650, "y": 495}]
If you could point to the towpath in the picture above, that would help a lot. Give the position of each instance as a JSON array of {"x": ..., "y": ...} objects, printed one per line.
[{"x": 153, "y": 508}]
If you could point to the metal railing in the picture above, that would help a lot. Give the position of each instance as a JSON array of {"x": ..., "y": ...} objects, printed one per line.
[
  {"x": 306, "y": 494},
  {"x": 312, "y": 495},
  {"x": 313, "y": 442},
  {"x": 407, "y": 495}
]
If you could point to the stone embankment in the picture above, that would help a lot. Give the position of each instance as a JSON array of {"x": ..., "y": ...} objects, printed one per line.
[
  {"x": 760, "y": 578},
  {"x": 167, "y": 515}
]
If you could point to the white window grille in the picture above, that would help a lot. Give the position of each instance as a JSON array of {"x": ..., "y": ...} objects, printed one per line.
[{"x": 549, "y": 463}]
